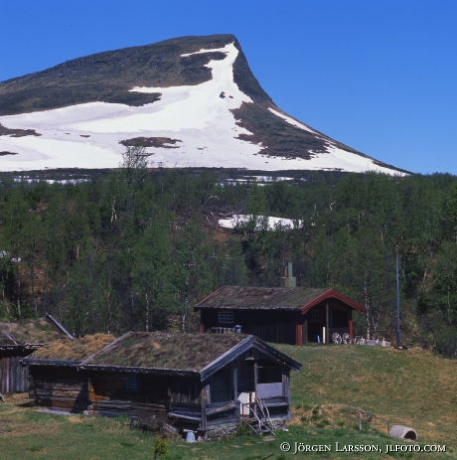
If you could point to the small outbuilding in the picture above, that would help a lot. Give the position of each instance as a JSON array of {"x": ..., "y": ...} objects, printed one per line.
[
  {"x": 20, "y": 339},
  {"x": 292, "y": 315},
  {"x": 198, "y": 382},
  {"x": 56, "y": 382}
]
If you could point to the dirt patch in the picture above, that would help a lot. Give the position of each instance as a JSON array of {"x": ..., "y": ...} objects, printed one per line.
[
  {"x": 4, "y": 131},
  {"x": 162, "y": 142}
]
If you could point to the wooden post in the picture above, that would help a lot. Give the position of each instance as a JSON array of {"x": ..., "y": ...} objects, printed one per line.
[
  {"x": 235, "y": 366},
  {"x": 90, "y": 390},
  {"x": 203, "y": 407},
  {"x": 327, "y": 323},
  {"x": 286, "y": 390},
  {"x": 299, "y": 334},
  {"x": 351, "y": 328},
  {"x": 235, "y": 380}
]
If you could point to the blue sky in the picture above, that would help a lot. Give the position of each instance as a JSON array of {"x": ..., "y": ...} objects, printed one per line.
[{"x": 378, "y": 75}]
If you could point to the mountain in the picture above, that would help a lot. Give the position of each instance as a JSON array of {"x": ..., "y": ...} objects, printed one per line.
[{"x": 190, "y": 102}]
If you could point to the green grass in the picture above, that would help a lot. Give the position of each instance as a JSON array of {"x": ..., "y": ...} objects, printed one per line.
[{"x": 409, "y": 387}]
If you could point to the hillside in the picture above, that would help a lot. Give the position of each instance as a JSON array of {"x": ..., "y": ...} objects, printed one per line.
[
  {"x": 410, "y": 387},
  {"x": 190, "y": 102},
  {"x": 138, "y": 248}
]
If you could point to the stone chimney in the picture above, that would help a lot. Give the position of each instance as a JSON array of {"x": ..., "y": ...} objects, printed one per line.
[{"x": 288, "y": 280}]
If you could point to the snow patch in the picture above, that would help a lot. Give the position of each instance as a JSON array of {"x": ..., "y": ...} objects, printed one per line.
[
  {"x": 88, "y": 135},
  {"x": 291, "y": 121},
  {"x": 261, "y": 222}
]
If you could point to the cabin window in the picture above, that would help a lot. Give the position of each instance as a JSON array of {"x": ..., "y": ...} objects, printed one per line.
[
  {"x": 222, "y": 386},
  {"x": 226, "y": 317}
]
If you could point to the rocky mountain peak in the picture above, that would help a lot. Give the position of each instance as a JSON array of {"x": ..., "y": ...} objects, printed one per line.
[{"x": 189, "y": 102}]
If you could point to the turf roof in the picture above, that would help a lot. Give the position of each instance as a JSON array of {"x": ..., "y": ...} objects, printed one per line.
[
  {"x": 260, "y": 298},
  {"x": 71, "y": 350},
  {"x": 273, "y": 298},
  {"x": 28, "y": 332},
  {"x": 161, "y": 351}
]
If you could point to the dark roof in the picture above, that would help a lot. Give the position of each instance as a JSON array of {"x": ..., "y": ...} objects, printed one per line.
[
  {"x": 271, "y": 298},
  {"x": 201, "y": 354},
  {"x": 69, "y": 352},
  {"x": 30, "y": 333}
]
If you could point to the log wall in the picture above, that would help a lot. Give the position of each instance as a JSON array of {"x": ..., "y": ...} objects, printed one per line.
[
  {"x": 59, "y": 388},
  {"x": 14, "y": 377}
]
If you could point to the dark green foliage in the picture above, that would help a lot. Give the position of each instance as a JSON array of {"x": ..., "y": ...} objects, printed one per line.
[{"x": 136, "y": 248}]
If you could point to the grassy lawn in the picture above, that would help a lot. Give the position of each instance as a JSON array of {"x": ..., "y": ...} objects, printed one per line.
[{"x": 409, "y": 387}]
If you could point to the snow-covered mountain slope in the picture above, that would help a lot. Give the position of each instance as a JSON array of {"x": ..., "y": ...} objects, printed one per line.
[{"x": 190, "y": 102}]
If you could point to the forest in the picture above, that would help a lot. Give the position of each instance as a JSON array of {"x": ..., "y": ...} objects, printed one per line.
[{"x": 136, "y": 248}]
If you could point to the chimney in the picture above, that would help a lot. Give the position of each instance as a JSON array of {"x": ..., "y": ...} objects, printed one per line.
[{"x": 288, "y": 280}]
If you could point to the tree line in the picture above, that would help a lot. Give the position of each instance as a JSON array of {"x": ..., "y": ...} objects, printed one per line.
[{"x": 136, "y": 248}]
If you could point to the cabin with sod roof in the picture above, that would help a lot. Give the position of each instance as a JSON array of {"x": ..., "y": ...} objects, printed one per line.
[
  {"x": 198, "y": 382},
  {"x": 56, "y": 382},
  {"x": 286, "y": 314},
  {"x": 20, "y": 339}
]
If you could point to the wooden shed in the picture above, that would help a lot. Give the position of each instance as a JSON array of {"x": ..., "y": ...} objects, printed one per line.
[
  {"x": 292, "y": 315},
  {"x": 56, "y": 382},
  {"x": 191, "y": 381},
  {"x": 20, "y": 339}
]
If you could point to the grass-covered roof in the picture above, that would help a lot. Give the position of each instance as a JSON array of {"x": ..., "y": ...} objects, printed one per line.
[
  {"x": 271, "y": 298},
  {"x": 73, "y": 351},
  {"x": 30, "y": 332},
  {"x": 164, "y": 351},
  {"x": 260, "y": 297}
]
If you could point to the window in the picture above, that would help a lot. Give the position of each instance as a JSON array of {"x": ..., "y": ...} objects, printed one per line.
[{"x": 225, "y": 317}]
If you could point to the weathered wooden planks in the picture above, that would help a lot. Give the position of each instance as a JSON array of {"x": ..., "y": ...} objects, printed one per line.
[{"x": 14, "y": 377}]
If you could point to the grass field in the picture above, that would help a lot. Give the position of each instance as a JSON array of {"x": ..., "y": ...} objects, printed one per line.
[{"x": 409, "y": 387}]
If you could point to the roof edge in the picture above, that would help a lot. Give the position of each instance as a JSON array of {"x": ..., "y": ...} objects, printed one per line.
[
  {"x": 106, "y": 347},
  {"x": 235, "y": 350},
  {"x": 243, "y": 346},
  {"x": 137, "y": 370},
  {"x": 292, "y": 363},
  {"x": 211, "y": 294},
  {"x": 333, "y": 293}
]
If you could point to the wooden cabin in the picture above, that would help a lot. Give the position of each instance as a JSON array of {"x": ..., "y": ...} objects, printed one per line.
[
  {"x": 55, "y": 380},
  {"x": 291, "y": 315},
  {"x": 20, "y": 339},
  {"x": 199, "y": 382}
]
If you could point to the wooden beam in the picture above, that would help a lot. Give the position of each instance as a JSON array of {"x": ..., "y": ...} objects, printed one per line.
[
  {"x": 299, "y": 334},
  {"x": 235, "y": 379},
  {"x": 218, "y": 410},
  {"x": 203, "y": 400},
  {"x": 327, "y": 323}
]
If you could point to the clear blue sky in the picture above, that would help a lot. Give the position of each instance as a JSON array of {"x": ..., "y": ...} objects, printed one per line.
[{"x": 378, "y": 75}]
